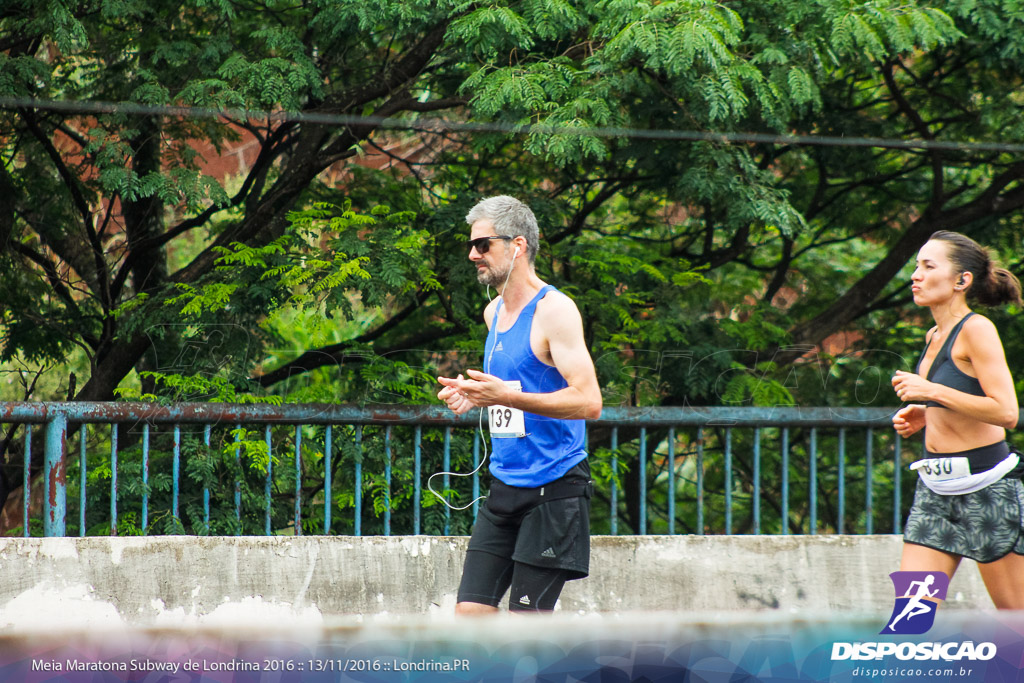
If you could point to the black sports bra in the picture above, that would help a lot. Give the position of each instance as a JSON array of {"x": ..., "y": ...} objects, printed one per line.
[{"x": 945, "y": 372}]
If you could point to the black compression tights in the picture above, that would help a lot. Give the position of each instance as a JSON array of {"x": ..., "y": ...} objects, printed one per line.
[{"x": 486, "y": 577}]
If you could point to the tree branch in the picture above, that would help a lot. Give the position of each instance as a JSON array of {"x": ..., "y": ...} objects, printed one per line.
[
  {"x": 337, "y": 353},
  {"x": 580, "y": 217},
  {"x": 50, "y": 270},
  {"x": 779, "y": 279},
  {"x": 269, "y": 151},
  {"x": 859, "y": 297},
  {"x": 102, "y": 273},
  {"x": 920, "y": 126},
  {"x": 267, "y": 220}
]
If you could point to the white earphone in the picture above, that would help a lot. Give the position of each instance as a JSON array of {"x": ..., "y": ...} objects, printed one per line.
[{"x": 480, "y": 427}]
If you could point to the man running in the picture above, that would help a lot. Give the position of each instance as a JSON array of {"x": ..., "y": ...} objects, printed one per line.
[{"x": 539, "y": 386}]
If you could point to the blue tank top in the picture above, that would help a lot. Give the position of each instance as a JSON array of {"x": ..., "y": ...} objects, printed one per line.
[
  {"x": 945, "y": 372},
  {"x": 551, "y": 446}
]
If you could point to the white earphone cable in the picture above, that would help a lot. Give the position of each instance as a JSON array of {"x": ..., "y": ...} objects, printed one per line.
[{"x": 480, "y": 422}]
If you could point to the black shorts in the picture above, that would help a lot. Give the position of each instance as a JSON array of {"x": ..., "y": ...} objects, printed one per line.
[{"x": 546, "y": 527}]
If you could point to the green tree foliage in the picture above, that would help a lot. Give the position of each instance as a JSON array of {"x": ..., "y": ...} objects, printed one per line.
[{"x": 706, "y": 268}]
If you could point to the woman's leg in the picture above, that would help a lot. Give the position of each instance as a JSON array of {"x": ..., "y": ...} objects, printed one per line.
[
  {"x": 919, "y": 558},
  {"x": 1004, "y": 580}
]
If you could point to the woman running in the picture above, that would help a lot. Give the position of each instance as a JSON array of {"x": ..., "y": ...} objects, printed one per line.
[{"x": 969, "y": 500}]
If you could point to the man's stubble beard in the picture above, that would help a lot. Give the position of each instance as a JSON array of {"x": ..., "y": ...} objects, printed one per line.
[{"x": 490, "y": 276}]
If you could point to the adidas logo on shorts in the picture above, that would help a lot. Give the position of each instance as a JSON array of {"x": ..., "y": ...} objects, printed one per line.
[
  {"x": 525, "y": 600},
  {"x": 548, "y": 553}
]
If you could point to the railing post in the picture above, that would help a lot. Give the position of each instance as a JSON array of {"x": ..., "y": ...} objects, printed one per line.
[
  {"x": 614, "y": 506},
  {"x": 55, "y": 475},
  {"x": 26, "y": 483},
  {"x": 897, "y": 510},
  {"x": 643, "y": 480},
  {"x": 700, "y": 481}
]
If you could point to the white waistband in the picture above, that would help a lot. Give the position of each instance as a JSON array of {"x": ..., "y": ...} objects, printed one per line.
[{"x": 968, "y": 483}]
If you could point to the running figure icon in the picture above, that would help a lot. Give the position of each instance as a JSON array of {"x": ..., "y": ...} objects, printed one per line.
[
  {"x": 918, "y": 594},
  {"x": 916, "y": 605}
]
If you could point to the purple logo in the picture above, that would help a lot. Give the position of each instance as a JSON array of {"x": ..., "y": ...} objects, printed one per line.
[{"x": 918, "y": 595}]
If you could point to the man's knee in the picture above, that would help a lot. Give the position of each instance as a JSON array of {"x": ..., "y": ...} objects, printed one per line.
[{"x": 474, "y": 609}]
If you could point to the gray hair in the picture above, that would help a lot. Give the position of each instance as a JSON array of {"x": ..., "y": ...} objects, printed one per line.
[{"x": 510, "y": 217}]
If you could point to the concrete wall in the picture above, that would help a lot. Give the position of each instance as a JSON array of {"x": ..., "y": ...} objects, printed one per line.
[{"x": 177, "y": 580}]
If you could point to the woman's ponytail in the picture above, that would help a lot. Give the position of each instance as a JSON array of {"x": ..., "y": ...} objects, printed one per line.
[{"x": 992, "y": 285}]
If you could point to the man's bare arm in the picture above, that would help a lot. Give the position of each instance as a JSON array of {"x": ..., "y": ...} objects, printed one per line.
[{"x": 562, "y": 329}]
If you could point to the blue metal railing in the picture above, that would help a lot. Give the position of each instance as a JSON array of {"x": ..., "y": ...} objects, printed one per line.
[{"x": 649, "y": 456}]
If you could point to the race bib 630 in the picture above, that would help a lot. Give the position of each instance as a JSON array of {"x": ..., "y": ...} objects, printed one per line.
[{"x": 942, "y": 469}]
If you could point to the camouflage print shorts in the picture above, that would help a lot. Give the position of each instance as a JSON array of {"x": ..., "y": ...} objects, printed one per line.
[{"x": 984, "y": 526}]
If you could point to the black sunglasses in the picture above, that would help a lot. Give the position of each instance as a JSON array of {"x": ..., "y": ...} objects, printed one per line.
[{"x": 483, "y": 244}]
